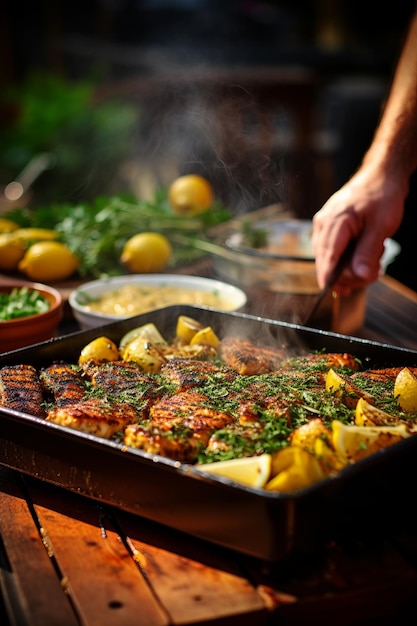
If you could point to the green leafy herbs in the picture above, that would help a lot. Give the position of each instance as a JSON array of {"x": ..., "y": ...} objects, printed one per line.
[
  {"x": 21, "y": 302},
  {"x": 252, "y": 236},
  {"x": 96, "y": 231}
]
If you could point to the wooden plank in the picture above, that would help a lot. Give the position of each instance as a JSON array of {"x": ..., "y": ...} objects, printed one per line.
[
  {"x": 103, "y": 580},
  {"x": 354, "y": 583},
  {"x": 196, "y": 582},
  {"x": 30, "y": 582}
]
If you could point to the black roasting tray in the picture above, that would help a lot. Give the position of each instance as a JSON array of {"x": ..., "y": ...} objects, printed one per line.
[{"x": 270, "y": 526}]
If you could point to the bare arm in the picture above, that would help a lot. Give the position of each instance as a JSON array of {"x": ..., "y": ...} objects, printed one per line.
[{"x": 370, "y": 206}]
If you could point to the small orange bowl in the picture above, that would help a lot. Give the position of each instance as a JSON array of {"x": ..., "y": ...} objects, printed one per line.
[{"x": 24, "y": 331}]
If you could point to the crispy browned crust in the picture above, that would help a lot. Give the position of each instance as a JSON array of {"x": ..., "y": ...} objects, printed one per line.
[
  {"x": 183, "y": 447},
  {"x": 191, "y": 410},
  {"x": 189, "y": 373},
  {"x": 21, "y": 390},
  {"x": 96, "y": 416},
  {"x": 248, "y": 359},
  {"x": 64, "y": 383}
]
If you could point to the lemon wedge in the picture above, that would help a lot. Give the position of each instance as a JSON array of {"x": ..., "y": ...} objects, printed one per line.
[
  {"x": 358, "y": 442},
  {"x": 344, "y": 389},
  {"x": 253, "y": 471},
  {"x": 294, "y": 468},
  {"x": 206, "y": 337},
  {"x": 187, "y": 327},
  {"x": 368, "y": 415},
  {"x": 405, "y": 389},
  {"x": 148, "y": 331}
]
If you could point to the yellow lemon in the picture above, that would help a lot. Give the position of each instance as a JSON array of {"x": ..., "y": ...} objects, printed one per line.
[
  {"x": 405, "y": 389},
  {"x": 190, "y": 195},
  {"x": 358, "y": 442},
  {"x": 48, "y": 261},
  {"x": 187, "y": 327},
  {"x": 293, "y": 468},
  {"x": 12, "y": 252},
  {"x": 36, "y": 234},
  {"x": 6, "y": 225},
  {"x": 368, "y": 415},
  {"x": 146, "y": 253},
  {"x": 206, "y": 337},
  {"x": 99, "y": 350},
  {"x": 252, "y": 471}
]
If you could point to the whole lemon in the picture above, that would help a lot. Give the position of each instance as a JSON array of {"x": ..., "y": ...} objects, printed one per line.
[
  {"x": 12, "y": 251},
  {"x": 7, "y": 225},
  {"x": 48, "y": 261},
  {"x": 146, "y": 253},
  {"x": 190, "y": 194}
]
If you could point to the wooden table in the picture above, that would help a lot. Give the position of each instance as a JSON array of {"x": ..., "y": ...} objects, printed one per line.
[{"x": 69, "y": 561}]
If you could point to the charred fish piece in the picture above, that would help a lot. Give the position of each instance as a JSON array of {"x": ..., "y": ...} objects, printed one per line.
[
  {"x": 95, "y": 416},
  {"x": 21, "y": 389},
  {"x": 64, "y": 382},
  {"x": 187, "y": 373},
  {"x": 128, "y": 383}
]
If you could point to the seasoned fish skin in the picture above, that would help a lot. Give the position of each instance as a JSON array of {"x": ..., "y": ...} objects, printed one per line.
[
  {"x": 246, "y": 358},
  {"x": 182, "y": 446},
  {"x": 188, "y": 373},
  {"x": 191, "y": 410},
  {"x": 127, "y": 382},
  {"x": 64, "y": 383},
  {"x": 95, "y": 416},
  {"x": 21, "y": 390}
]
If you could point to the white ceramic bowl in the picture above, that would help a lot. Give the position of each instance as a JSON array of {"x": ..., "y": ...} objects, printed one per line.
[{"x": 228, "y": 297}]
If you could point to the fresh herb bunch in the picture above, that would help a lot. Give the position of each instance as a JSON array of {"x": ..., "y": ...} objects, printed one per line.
[{"x": 97, "y": 231}]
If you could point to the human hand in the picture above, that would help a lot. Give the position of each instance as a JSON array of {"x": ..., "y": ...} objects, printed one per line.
[{"x": 368, "y": 208}]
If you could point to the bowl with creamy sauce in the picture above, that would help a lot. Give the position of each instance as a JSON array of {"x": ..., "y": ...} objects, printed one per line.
[{"x": 110, "y": 299}]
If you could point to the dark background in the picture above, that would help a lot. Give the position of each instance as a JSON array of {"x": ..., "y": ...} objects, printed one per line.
[{"x": 350, "y": 47}]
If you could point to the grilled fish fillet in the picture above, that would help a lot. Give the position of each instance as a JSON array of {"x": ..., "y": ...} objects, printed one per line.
[
  {"x": 246, "y": 358},
  {"x": 191, "y": 410},
  {"x": 64, "y": 383},
  {"x": 126, "y": 382},
  {"x": 21, "y": 390},
  {"x": 188, "y": 373},
  {"x": 182, "y": 445},
  {"x": 95, "y": 416}
]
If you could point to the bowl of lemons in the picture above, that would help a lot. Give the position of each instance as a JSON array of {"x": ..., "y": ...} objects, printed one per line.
[{"x": 110, "y": 299}]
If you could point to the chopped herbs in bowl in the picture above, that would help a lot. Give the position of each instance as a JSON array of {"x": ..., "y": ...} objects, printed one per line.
[
  {"x": 21, "y": 302},
  {"x": 30, "y": 312}
]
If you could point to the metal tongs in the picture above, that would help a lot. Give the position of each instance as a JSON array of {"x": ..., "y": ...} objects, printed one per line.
[{"x": 343, "y": 261}]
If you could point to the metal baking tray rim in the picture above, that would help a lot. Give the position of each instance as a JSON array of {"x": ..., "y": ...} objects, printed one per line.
[{"x": 210, "y": 507}]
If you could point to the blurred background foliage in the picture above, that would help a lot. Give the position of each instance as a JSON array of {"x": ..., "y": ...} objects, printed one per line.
[{"x": 85, "y": 139}]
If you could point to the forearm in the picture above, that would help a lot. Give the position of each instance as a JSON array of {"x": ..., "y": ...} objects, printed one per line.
[{"x": 394, "y": 147}]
